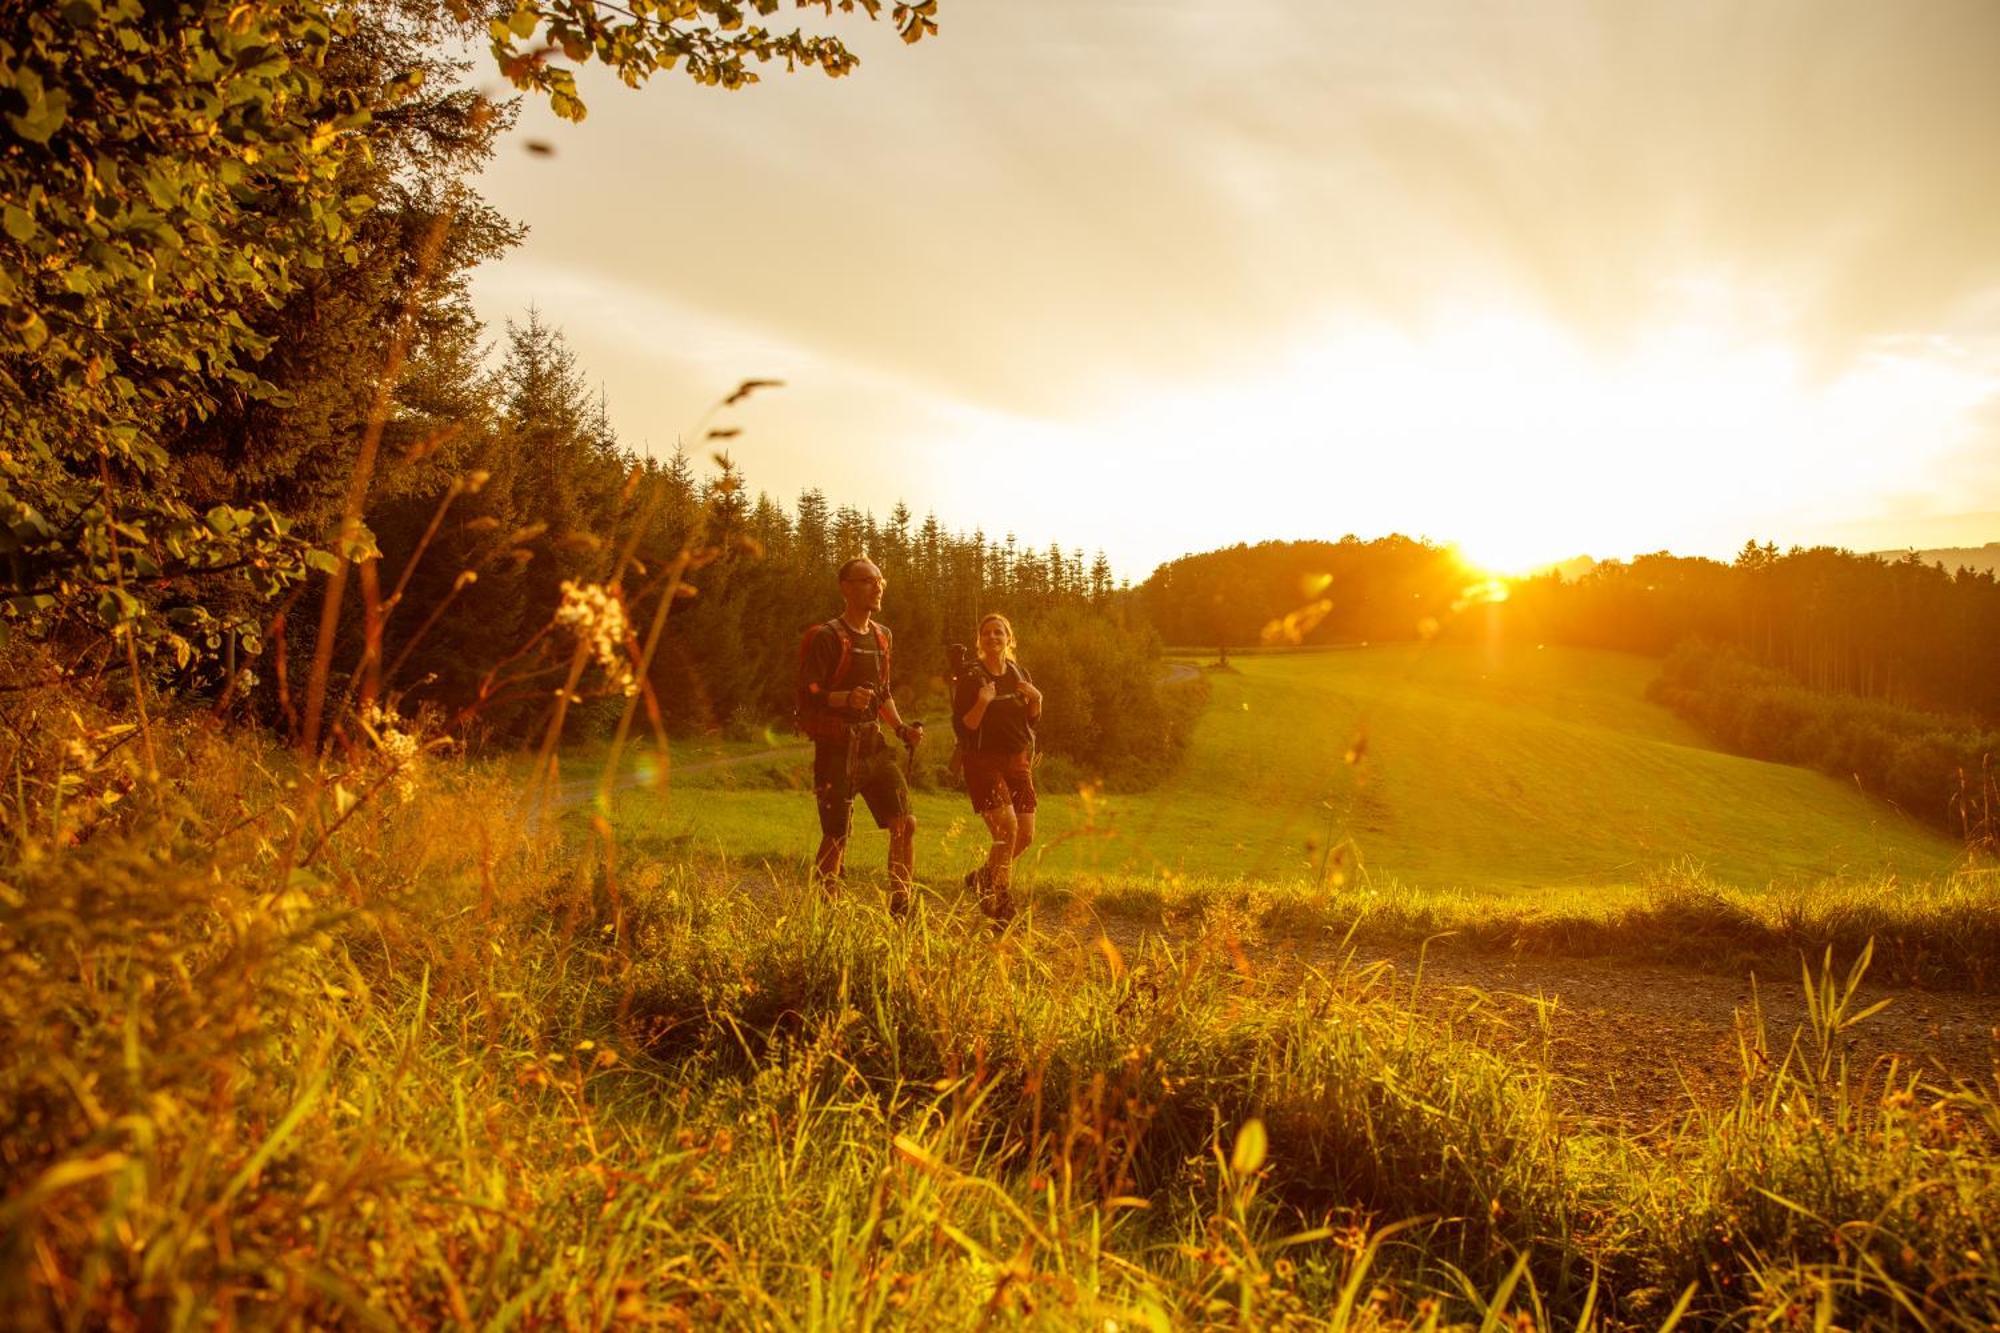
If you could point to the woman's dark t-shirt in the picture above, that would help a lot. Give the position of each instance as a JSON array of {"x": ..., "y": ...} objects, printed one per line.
[{"x": 1004, "y": 729}]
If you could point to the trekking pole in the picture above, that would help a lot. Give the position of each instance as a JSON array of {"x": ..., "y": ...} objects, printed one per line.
[{"x": 854, "y": 754}]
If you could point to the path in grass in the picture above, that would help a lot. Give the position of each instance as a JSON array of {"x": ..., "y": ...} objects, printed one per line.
[
  {"x": 1634, "y": 1047},
  {"x": 1497, "y": 769},
  {"x": 1640, "y": 1045}
]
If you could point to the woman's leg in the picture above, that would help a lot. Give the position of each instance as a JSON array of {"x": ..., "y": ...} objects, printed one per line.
[
  {"x": 999, "y": 869},
  {"x": 1021, "y": 789}
]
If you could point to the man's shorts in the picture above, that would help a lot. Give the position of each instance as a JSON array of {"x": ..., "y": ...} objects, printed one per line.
[
  {"x": 877, "y": 779},
  {"x": 995, "y": 780}
]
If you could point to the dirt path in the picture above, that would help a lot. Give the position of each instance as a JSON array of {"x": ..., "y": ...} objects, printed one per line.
[{"x": 1638, "y": 1045}]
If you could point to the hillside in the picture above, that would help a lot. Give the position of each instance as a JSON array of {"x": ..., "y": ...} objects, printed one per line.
[
  {"x": 1481, "y": 769},
  {"x": 1980, "y": 559}
]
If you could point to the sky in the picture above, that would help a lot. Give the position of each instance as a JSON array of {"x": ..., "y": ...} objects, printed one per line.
[{"x": 1540, "y": 278}]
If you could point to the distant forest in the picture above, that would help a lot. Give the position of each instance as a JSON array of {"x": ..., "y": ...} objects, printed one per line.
[
  {"x": 1882, "y": 671},
  {"x": 1903, "y": 631}
]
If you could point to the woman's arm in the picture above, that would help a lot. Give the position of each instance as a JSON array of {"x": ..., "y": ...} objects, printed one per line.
[
  {"x": 1031, "y": 697},
  {"x": 976, "y": 714}
]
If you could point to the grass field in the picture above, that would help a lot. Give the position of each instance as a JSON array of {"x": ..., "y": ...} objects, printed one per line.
[
  {"x": 354, "y": 1058},
  {"x": 1487, "y": 769}
]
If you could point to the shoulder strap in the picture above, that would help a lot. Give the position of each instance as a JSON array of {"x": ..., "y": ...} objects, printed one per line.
[
  {"x": 846, "y": 637},
  {"x": 882, "y": 646},
  {"x": 805, "y": 649}
]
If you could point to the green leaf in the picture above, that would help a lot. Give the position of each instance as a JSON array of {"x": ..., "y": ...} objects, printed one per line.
[
  {"x": 19, "y": 222},
  {"x": 326, "y": 562},
  {"x": 115, "y": 606},
  {"x": 44, "y": 116},
  {"x": 32, "y": 332}
]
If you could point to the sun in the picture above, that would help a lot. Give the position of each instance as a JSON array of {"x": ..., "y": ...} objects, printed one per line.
[{"x": 1505, "y": 554}]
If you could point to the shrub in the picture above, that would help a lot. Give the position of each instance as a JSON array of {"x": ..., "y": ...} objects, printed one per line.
[{"x": 1911, "y": 758}]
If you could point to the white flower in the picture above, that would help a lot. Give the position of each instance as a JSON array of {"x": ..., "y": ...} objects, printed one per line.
[
  {"x": 594, "y": 614},
  {"x": 400, "y": 749}
]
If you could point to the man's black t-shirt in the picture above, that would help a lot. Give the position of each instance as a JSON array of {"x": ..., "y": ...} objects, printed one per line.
[
  {"x": 864, "y": 667},
  {"x": 1004, "y": 729}
]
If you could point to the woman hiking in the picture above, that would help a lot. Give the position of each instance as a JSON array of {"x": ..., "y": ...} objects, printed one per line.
[{"x": 994, "y": 710}]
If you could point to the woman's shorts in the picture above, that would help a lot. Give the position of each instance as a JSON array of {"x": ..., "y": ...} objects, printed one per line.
[{"x": 994, "y": 780}]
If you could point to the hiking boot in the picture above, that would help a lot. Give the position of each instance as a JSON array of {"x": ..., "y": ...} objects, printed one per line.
[
  {"x": 899, "y": 902},
  {"x": 975, "y": 878},
  {"x": 997, "y": 903}
]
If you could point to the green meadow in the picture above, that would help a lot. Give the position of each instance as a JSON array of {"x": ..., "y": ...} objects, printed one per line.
[{"x": 1490, "y": 768}]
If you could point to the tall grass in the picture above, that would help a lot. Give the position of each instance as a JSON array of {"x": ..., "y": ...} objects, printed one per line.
[
  {"x": 1942, "y": 933},
  {"x": 443, "y": 1068}
]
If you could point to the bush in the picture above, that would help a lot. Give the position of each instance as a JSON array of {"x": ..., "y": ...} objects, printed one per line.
[
  {"x": 1108, "y": 711},
  {"x": 1914, "y": 759}
]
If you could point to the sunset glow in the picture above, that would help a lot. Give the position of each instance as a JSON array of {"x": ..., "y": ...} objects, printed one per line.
[{"x": 1544, "y": 281}]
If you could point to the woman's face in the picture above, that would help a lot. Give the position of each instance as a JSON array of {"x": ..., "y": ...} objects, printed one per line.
[{"x": 993, "y": 638}]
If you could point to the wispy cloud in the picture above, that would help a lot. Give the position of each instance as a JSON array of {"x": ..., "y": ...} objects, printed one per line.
[{"x": 1060, "y": 214}]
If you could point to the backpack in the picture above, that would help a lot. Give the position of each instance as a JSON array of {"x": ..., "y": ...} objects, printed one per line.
[
  {"x": 811, "y": 715},
  {"x": 968, "y": 740}
]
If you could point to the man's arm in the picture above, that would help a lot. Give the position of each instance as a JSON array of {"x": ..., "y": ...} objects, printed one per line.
[
  {"x": 821, "y": 658},
  {"x": 905, "y": 731}
]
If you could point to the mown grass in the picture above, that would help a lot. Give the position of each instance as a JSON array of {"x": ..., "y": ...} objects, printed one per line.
[
  {"x": 444, "y": 1068},
  {"x": 1499, "y": 768},
  {"x": 1942, "y": 933}
]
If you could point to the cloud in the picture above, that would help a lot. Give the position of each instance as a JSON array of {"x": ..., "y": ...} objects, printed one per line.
[{"x": 1057, "y": 214}]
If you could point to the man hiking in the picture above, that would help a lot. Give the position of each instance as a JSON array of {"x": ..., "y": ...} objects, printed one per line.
[{"x": 844, "y": 688}]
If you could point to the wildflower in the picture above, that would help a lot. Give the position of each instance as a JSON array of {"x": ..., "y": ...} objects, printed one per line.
[
  {"x": 400, "y": 749},
  {"x": 595, "y": 615}
]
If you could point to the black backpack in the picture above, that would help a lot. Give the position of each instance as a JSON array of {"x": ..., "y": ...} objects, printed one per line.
[{"x": 968, "y": 740}]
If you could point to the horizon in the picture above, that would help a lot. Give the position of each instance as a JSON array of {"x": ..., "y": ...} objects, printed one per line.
[{"x": 1574, "y": 278}]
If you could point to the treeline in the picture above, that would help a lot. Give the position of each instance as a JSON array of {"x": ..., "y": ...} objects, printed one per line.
[
  {"x": 549, "y": 459},
  {"x": 1307, "y": 592},
  {"x": 1937, "y": 769},
  {"x": 729, "y": 656},
  {"x": 1900, "y": 631}
]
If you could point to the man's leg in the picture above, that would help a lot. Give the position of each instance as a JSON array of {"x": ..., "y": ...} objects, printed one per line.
[
  {"x": 835, "y": 799},
  {"x": 827, "y": 861},
  {"x": 902, "y": 858}
]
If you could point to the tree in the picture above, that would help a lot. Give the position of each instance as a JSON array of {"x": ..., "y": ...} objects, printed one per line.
[
  {"x": 153, "y": 202},
  {"x": 176, "y": 172}
]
